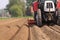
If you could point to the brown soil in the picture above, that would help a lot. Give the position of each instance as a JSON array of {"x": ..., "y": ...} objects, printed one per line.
[{"x": 18, "y": 29}]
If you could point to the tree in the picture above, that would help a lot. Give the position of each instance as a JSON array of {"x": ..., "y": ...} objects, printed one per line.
[
  {"x": 16, "y": 8},
  {"x": 29, "y": 2}
]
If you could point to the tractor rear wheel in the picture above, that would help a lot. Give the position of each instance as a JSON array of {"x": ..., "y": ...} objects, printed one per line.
[
  {"x": 58, "y": 22},
  {"x": 58, "y": 17},
  {"x": 39, "y": 18}
]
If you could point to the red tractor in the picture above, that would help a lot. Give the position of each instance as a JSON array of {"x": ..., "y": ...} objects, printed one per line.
[{"x": 47, "y": 11}]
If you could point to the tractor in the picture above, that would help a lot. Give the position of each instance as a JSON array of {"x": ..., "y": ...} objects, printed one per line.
[{"x": 47, "y": 11}]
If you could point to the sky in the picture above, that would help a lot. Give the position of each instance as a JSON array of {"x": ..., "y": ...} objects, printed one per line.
[{"x": 3, "y": 3}]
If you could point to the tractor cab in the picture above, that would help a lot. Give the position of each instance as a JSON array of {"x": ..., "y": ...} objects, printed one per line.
[{"x": 43, "y": 3}]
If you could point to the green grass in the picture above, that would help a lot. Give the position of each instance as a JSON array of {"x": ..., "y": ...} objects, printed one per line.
[
  {"x": 23, "y": 17},
  {"x": 4, "y": 18},
  {"x": 16, "y": 17}
]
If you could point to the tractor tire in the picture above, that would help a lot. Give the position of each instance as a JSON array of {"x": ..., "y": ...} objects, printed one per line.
[
  {"x": 58, "y": 22},
  {"x": 54, "y": 18},
  {"x": 58, "y": 17},
  {"x": 39, "y": 18}
]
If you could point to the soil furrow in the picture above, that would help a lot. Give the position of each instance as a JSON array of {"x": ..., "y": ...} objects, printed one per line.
[{"x": 53, "y": 35}]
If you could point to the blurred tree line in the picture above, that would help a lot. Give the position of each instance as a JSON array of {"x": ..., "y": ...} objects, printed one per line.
[
  {"x": 16, "y": 8},
  {"x": 29, "y": 3}
]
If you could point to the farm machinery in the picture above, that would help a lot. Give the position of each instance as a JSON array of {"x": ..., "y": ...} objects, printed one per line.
[{"x": 47, "y": 11}]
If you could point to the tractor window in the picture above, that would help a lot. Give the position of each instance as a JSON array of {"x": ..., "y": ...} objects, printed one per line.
[{"x": 49, "y": 5}]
